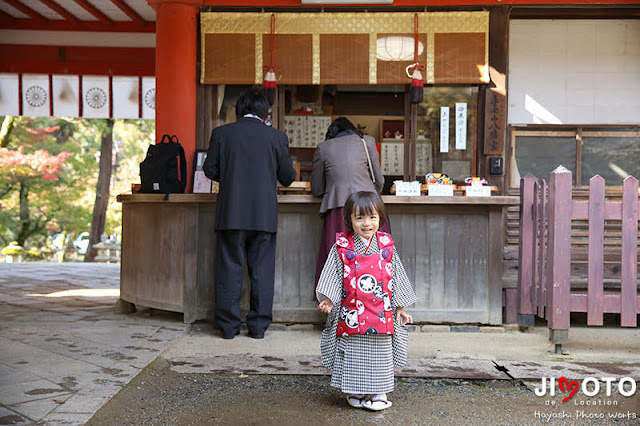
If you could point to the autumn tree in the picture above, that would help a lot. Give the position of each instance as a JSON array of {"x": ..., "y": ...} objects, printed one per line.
[
  {"x": 35, "y": 160},
  {"x": 44, "y": 189},
  {"x": 103, "y": 187}
]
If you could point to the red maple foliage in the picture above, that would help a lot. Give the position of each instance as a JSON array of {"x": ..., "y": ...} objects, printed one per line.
[{"x": 38, "y": 163}]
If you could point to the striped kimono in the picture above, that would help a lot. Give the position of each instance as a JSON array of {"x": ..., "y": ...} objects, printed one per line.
[{"x": 363, "y": 364}]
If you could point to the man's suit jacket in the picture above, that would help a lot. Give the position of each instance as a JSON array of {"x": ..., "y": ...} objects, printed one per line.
[
  {"x": 246, "y": 158},
  {"x": 340, "y": 168}
]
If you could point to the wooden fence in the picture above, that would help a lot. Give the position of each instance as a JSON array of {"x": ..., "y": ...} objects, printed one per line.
[{"x": 549, "y": 284}]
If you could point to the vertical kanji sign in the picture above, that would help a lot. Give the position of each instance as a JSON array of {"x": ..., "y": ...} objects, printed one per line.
[{"x": 494, "y": 123}]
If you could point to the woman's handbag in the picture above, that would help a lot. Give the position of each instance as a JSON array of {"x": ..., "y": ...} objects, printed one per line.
[{"x": 373, "y": 177}]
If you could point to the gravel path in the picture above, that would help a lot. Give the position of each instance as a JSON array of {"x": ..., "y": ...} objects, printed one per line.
[{"x": 160, "y": 396}]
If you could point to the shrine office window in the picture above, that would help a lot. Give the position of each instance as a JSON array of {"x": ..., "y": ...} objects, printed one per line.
[
  {"x": 611, "y": 152},
  {"x": 456, "y": 161}
]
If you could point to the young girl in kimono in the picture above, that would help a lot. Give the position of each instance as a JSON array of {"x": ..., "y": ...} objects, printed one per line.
[{"x": 364, "y": 289}]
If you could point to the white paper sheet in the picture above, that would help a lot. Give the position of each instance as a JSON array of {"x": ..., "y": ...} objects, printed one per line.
[
  {"x": 95, "y": 97},
  {"x": 66, "y": 95},
  {"x": 36, "y": 96},
  {"x": 392, "y": 158},
  {"x": 125, "y": 97},
  {"x": 461, "y": 126},
  {"x": 444, "y": 129},
  {"x": 9, "y": 96},
  {"x": 149, "y": 98}
]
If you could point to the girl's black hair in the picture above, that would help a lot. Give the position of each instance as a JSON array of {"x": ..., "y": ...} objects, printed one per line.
[
  {"x": 341, "y": 124},
  {"x": 365, "y": 203}
]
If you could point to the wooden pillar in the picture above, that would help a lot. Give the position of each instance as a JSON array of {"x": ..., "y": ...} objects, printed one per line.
[
  {"x": 205, "y": 113},
  {"x": 559, "y": 254},
  {"x": 176, "y": 77},
  {"x": 281, "y": 101},
  {"x": 407, "y": 131},
  {"x": 411, "y": 135},
  {"x": 526, "y": 250},
  {"x": 495, "y": 105}
]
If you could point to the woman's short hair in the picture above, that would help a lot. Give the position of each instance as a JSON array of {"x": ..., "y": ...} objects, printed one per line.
[
  {"x": 252, "y": 101},
  {"x": 341, "y": 124},
  {"x": 365, "y": 203}
]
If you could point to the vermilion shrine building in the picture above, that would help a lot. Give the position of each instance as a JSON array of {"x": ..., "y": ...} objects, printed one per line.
[{"x": 541, "y": 83}]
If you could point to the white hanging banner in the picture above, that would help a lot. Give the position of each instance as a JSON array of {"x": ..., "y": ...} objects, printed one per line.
[
  {"x": 66, "y": 96},
  {"x": 149, "y": 98},
  {"x": 125, "y": 97},
  {"x": 461, "y": 125},
  {"x": 9, "y": 94},
  {"x": 444, "y": 129},
  {"x": 35, "y": 95},
  {"x": 95, "y": 97}
]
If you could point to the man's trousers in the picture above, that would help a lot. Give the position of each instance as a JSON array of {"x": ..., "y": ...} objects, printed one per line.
[{"x": 233, "y": 247}]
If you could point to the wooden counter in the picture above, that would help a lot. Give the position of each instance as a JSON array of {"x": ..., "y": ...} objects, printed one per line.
[{"x": 451, "y": 248}]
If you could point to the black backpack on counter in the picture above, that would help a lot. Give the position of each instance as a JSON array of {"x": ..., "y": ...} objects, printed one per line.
[{"x": 160, "y": 172}]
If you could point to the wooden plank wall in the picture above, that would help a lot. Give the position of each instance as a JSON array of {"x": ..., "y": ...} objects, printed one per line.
[
  {"x": 452, "y": 254},
  {"x": 454, "y": 280},
  {"x": 451, "y": 276},
  {"x": 299, "y": 230},
  {"x": 151, "y": 244}
]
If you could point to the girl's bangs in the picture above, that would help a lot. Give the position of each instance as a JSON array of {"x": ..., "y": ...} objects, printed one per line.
[{"x": 364, "y": 208}]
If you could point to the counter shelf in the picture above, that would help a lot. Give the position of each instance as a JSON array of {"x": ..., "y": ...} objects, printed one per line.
[{"x": 451, "y": 247}]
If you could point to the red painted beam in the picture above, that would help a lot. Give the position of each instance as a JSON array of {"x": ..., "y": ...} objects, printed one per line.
[
  {"x": 77, "y": 60},
  {"x": 129, "y": 11},
  {"x": 4, "y": 16},
  {"x": 400, "y": 3},
  {"x": 26, "y": 10},
  {"x": 10, "y": 23},
  {"x": 61, "y": 11},
  {"x": 94, "y": 11}
]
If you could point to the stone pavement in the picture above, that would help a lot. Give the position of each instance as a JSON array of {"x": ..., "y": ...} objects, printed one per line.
[
  {"x": 64, "y": 352},
  {"x": 461, "y": 352}
]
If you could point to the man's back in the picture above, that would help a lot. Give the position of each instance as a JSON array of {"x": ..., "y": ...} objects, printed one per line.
[{"x": 246, "y": 158}]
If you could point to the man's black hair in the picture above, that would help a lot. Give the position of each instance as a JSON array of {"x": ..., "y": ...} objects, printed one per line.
[{"x": 252, "y": 101}]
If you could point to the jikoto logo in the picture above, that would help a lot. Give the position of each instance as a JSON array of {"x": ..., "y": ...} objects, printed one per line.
[{"x": 591, "y": 386}]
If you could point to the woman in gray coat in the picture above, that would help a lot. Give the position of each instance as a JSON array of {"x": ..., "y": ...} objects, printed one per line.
[{"x": 340, "y": 168}]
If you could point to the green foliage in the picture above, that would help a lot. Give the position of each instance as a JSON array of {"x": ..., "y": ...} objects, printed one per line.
[
  {"x": 47, "y": 250},
  {"x": 33, "y": 254},
  {"x": 64, "y": 203},
  {"x": 7, "y": 126},
  {"x": 131, "y": 140},
  {"x": 32, "y": 188},
  {"x": 13, "y": 249}
]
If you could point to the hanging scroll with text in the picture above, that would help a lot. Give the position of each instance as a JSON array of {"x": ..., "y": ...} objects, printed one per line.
[
  {"x": 344, "y": 48},
  {"x": 494, "y": 123}
]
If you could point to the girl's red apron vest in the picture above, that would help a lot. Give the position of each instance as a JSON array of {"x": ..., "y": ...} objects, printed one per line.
[{"x": 366, "y": 289}]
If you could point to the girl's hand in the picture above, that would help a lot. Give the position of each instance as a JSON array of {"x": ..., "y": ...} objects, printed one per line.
[
  {"x": 406, "y": 318},
  {"x": 326, "y": 305}
]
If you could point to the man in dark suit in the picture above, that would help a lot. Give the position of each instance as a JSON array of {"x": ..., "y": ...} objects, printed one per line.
[{"x": 246, "y": 158}]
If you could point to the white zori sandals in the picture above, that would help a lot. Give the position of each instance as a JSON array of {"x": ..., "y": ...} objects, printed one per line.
[{"x": 375, "y": 402}]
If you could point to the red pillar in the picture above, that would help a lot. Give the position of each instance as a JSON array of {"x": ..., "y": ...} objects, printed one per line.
[{"x": 176, "y": 78}]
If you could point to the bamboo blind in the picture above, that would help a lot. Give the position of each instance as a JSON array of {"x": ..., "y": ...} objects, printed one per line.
[{"x": 342, "y": 48}]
